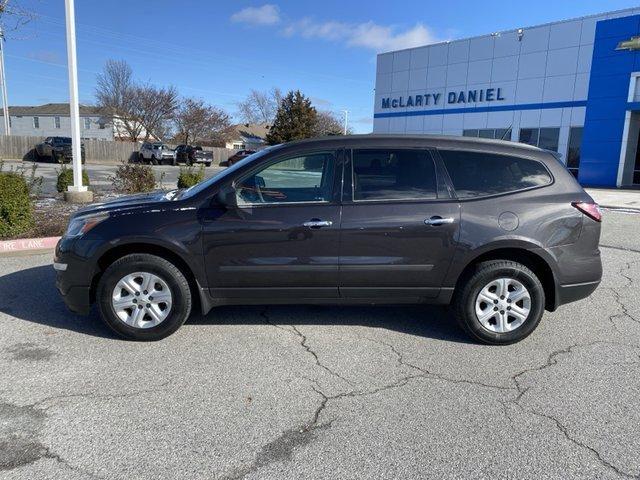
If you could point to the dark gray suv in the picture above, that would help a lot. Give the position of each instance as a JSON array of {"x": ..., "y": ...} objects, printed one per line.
[{"x": 500, "y": 230}]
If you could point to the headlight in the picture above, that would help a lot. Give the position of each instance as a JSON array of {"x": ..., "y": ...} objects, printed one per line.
[{"x": 81, "y": 225}]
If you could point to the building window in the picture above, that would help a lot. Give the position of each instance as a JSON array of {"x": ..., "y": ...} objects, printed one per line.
[
  {"x": 497, "y": 133},
  {"x": 87, "y": 123},
  {"x": 56, "y": 121},
  {"x": 36, "y": 122},
  {"x": 573, "y": 152},
  {"x": 238, "y": 146},
  {"x": 545, "y": 138}
]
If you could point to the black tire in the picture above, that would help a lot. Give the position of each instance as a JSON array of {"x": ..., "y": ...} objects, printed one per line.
[
  {"x": 464, "y": 302},
  {"x": 142, "y": 262},
  {"x": 208, "y": 164},
  {"x": 174, "y": 161},
  {"x": 154, "y": 161},
  {"x": 55, "y": 158},
  {"x": 141, "y": 158}
]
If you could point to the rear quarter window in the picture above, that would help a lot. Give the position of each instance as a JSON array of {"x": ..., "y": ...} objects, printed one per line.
[{"x": 479, "y": 174}]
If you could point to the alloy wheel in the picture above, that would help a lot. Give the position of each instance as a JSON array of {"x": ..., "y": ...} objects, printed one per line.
[
  {"x": 142, "y": 300},
  {"x": 503, "y": 305}
]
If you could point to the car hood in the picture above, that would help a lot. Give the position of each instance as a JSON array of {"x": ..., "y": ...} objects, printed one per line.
[{"x": 128, "y": 202}]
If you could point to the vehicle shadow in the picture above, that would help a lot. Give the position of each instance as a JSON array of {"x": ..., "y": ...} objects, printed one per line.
[
  {"x": 418, "y": 320},
  {"x": 31, "y": 295}
]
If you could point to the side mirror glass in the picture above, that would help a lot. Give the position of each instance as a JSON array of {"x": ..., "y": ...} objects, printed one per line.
[
  {"x": 226, "y": 197},
  {"x": 259, "y": 181}
]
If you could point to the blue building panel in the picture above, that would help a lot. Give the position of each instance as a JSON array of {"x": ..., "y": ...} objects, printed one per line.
[{"x": 607, "y": 101}]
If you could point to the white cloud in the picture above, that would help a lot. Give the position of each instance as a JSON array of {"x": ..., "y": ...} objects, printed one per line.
[
  {"x": 267, "y": 14},
  {"x": 366, "y": 35}
]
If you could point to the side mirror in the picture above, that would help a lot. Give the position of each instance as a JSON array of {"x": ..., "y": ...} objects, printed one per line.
[
  {"x": 226, "y": 197},
  {"x": 259, "y": 181}
]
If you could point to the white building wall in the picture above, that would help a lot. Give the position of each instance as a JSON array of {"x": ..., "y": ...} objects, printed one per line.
[
  {"x": 549, "y": 63},
  {"x": 24, "y": 125}
]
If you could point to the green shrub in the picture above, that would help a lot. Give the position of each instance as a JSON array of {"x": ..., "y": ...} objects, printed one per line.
[
  {"x": 189, "y": 176},
  {"x": 65, "y": 178},
  {"x": 16, "y": 211},
  {"x": 134, "y": 178}
]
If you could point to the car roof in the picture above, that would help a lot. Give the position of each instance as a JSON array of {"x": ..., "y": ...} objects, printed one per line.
[{"x": 404, "y": 141}]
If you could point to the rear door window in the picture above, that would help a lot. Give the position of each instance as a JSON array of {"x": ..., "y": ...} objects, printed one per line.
[
  {"x": 478, "y": 174},
  {"x": 393, "y": 174}
]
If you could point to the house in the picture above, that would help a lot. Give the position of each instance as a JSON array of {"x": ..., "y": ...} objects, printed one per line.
[
  {"x": 53, "y": 119},
  {"x": 248, "y": 136}
]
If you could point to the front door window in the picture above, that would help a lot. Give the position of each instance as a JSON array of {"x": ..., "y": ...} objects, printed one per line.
[{"x": 305, "y": 178}]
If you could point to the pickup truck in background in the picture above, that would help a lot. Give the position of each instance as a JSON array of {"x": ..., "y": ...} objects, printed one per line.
[
  {"x": 190, "y": 154},
  {"x": 56, "y": 149},
  {"x": 156, "y": 154}
]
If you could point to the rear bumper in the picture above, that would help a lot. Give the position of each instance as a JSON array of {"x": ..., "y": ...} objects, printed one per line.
[{"x": 574, "y": 292}]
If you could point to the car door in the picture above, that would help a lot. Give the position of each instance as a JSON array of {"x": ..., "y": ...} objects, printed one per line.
[
  {"x": 400, "y": 224},
  {"x": 281, "y": 239}
]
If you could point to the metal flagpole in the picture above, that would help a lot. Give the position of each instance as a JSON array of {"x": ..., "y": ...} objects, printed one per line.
[
  {"x": 73, "y": 98},
  {"x": 3, "y": 80}
]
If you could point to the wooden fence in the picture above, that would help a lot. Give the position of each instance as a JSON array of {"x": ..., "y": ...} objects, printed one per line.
[{"x": 14, "y": 147}]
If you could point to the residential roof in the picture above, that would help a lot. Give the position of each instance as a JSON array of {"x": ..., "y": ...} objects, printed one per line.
[
  {"x": 256, "y": 131},
  {"x": 50, "y": 109}
]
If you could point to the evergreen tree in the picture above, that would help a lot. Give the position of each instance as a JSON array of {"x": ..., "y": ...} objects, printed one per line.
[{"x": 296, "y": 119}]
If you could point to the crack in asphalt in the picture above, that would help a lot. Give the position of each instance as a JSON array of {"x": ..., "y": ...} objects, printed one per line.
[
  {"x": 282, "y": 448},
  {"x": 618, "y": 299},
  {"x": 552, "y": 360},
  {"x": 304, "y": 344},
  {"x": 20, "y": 428},
  {"x": 623, "y": 249},
  {"x": 96, "y": 395}
]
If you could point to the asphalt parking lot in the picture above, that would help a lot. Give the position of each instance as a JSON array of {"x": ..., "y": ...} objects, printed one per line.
[
  {"x": 322, "y": 392},
  {"x": 100, "y": 175}
]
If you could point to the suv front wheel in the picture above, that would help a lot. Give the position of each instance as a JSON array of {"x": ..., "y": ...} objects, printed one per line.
[
  {"x": 143, "y": 297},
  {"x": 500, "y": 303}
]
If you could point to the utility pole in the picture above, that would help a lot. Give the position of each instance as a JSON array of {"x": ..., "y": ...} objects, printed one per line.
[
  {"x": 3, "y": 80},
  {"x": 346, "y": 120},
  {"x": 76, "y": 192}
]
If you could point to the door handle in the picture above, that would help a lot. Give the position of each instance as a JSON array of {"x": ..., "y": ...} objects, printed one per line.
[
  {"x": 437, "y": 220},
  {"x": 317, "y": 223}
]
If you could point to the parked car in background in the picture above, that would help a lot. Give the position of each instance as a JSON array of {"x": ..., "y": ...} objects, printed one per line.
[
  {"x": 56, "y": 149},
  {"x": 499, "y": 230},
  {"x": 156, "y": 154},
  {"x": 236, "y": 157},
  {"x": 190, "y": 154}
]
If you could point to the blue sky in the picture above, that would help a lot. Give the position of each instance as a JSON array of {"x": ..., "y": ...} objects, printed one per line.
[{"x": 219, "y": 50}]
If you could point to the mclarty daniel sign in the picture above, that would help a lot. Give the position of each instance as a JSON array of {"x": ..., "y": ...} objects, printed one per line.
[{"x": 455, "y": 97}]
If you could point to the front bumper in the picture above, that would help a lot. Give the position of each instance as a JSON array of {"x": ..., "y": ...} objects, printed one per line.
[{"x": 73, "y": 278}]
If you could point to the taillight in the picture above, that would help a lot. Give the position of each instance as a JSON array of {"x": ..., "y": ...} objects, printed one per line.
[{"x": 591, "y": 210}]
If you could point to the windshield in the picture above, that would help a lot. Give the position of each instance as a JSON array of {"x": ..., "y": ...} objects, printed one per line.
[{"x": 202, "y": 186}]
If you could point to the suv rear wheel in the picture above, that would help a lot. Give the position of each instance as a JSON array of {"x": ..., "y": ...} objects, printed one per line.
[
  {"x": 501, "y": 302},
  {"x": 143, "y": 297}
]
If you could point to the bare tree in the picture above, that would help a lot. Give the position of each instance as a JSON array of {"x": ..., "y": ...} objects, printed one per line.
[
  {"x": 260, "y": 107},
  {"x": 198, "y": 122},
  {"x": 328, "y": 123},
  {"x": 13, "y": 15},
  {"x": 116, "y": 95},
  {"x": 141, "y": 111},
  {"x": 155, "y": 107}
]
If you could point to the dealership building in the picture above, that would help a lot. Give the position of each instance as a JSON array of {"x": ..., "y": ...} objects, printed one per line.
[{"x": 571, "y": 87}]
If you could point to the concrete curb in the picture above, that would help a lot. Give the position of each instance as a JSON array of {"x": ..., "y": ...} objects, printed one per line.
[{"x": 26, "y": 246}]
